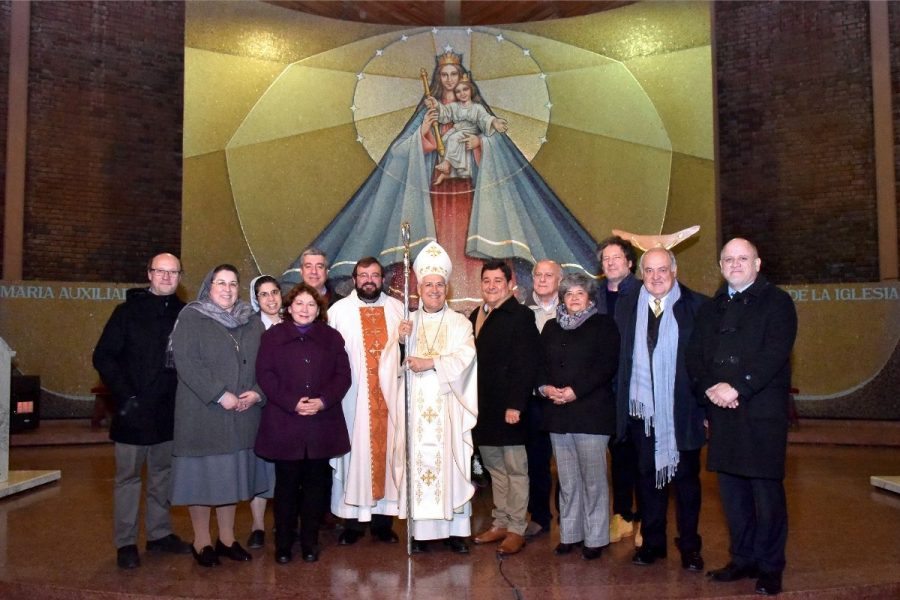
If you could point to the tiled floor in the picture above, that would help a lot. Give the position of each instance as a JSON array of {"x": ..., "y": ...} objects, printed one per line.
[{"x": 56, "y": 542}]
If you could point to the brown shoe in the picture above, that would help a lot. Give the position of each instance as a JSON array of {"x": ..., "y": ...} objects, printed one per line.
[
  {"x": 512, "y": 544},
  {"x": 494, "y": 534}
]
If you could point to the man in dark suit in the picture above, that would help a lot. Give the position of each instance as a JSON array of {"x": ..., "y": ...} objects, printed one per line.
[
  {"x": 656, "y": 403},
  {"x": 618, "y": 263},
  {"x": 312, "y": 267},
  {"x": 739, "y": 359},
  {"x": 506, "y": 343}
]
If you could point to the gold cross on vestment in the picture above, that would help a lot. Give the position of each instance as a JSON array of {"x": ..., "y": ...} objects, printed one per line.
[
  {"x": 429, "y": 415},
  {"x": 429, "y": 477}
]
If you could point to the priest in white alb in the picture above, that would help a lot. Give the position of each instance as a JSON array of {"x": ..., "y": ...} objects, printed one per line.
[
  {"x": 444, "y": 407},
  {"x": 366, "y": 487}
]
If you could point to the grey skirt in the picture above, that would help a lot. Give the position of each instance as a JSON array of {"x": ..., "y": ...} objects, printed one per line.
[{"x": 220, "y": 479}]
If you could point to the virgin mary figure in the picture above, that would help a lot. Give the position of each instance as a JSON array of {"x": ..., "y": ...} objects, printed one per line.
[{"x": 502, "y": 210}]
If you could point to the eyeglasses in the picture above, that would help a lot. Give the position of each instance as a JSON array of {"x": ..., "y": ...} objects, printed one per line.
[
  {"x": 271, "y": 294},
  {"x": 164, "y": 272},
  {"x": 222, "y": 283}
]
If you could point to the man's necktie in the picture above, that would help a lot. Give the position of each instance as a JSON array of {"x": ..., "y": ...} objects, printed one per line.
[{"x": 657, "y": 307}]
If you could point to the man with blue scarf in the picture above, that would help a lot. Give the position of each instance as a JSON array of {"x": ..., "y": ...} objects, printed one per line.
[{"x": 656, "y": 403}]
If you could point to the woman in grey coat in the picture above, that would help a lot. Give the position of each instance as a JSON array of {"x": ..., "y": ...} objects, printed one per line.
[{"x": 217, "y": 410}]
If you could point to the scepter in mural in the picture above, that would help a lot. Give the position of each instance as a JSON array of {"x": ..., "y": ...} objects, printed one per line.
[
  {"x": 435, "y": 127},
  {"x": 407, "y": 409}
]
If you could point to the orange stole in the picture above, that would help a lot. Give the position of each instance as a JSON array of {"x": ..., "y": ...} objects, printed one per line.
[{"x": 374, "y": 330}]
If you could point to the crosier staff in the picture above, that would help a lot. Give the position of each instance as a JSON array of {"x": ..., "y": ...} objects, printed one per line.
[
  {"x": 434, "y": 127},
  {"x": 407, "y": 375}
]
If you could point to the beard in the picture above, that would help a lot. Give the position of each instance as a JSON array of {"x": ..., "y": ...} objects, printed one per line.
[{"x": 368, "y": 291}]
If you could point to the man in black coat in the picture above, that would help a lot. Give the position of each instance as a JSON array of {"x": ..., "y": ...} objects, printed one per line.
[
  {"x": 312, "y": 268},
  {"x": 131, "y": 360},
  {"x": 656, "y": 404},
  {"x": 739, "y": 359},
  {"x": 506, "y": 343},
  {"x": 614, "y": 294}
]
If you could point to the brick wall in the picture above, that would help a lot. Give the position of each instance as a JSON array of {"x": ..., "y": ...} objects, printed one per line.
[
  {"x": 103, "y": 189},
  {"x": 4, "y": 107},
  {"x": 894, "y": 24},
  {"x": 795, "y": 130}
]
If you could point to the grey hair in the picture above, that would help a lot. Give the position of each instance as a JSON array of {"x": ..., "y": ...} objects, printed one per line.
[
  {"x": 672, "y": 263},
  {"x": 313, "y": 251},
  {"x": 588, "y": 284}
]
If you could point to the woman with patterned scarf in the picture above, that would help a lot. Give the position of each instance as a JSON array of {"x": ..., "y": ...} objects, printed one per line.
[
  {"x": 580, "y": 357},
  {"x": 217, "y": 412}
]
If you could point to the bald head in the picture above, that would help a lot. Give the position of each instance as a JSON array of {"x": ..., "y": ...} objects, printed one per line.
[
  {"x": 740, "y": 263},
  {"x": 164, "y": 273},
  {"x": 547, "y": 274}
]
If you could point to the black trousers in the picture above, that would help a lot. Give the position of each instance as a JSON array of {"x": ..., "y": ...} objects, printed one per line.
[
  {"x": 539, "y": 451},
  {"x": 623, "y": 472},
  {"x": 313, "y": 475},
  {"x": 654, "y": 502},
  {"x": 378, "y": 522},
  {"x": 756, "y": 511}
]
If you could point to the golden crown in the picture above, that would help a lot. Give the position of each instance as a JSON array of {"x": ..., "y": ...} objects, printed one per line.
[
  {"x": 464, "y": 77},
  {"x": 449, "y": 58}
]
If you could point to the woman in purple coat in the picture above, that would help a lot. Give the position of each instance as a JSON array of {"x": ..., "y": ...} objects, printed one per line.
[{"x": 304, "y": 371}]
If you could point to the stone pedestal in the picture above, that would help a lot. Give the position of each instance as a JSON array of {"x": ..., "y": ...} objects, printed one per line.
[{"x": 16, "y": 481}]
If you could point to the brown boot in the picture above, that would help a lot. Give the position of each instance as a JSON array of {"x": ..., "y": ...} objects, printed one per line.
[
  {"x": 494, "y": 534},
  {"x": 512, "y": 544}
]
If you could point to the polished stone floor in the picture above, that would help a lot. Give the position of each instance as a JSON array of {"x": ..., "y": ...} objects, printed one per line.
[{"x": 56, "y": 542}]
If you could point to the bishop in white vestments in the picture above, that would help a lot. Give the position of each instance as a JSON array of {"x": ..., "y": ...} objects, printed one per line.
[{"x": 444, "y": 407}]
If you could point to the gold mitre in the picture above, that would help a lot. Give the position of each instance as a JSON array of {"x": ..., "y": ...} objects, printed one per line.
[
  {"x": 433, "y": 260},
  {"x": 449, "y": 58}
]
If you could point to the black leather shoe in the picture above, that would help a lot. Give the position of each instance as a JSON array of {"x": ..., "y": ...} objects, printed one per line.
[
  {"x": 234, "y": 551},
  {"x": 283, "y": 556},
  {"x": 171, "y": 544},
  {"x": 257, "y": 539},
  {"x": 310, "y": 554},
  {"x": 563, "y": 549},
  {"x": 588, "y": 553},
  {"x": 206, "y": 557},
  {"x": 457, "y": 545},
  {"x": 127, "y": 557},
  {"x": 646, "y": 556},
  {"x": 385, "y": 534},
  {"x": 418, "y": 546},
  {"x": 768, "y": 584},
  {"x": 349, "y": 537},
  {"x": 732, "y": 572},
  {"x": 692, "y": 561}
]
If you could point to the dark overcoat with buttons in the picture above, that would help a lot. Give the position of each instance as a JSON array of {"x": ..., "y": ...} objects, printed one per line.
[
  {"x": 746, "y": 342},
  {"x": 292, "y": 365},
  {"x": 508, "y": 354},
  {"x": 687, "y": 411},
  {"x": 585, "y": 358}
]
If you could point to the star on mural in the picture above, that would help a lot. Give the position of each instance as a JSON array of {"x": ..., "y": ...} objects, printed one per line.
[
  {"x": 543, "y": 140},
  {"x": 379, "y": 52},
  {"x": 549, "y": 105},
  {"x": 448, "y": 48},
  {"x": 434, "y": 30},
  {"x": 354, "y": 108},
  {"x": 360, "y": 76},
  {"x": 360, "y": 139},
  {"x": 404, "y": 37},
  {"x": 468, "y": 31},
  {"x": 526, "y": 51},
  {"x": 543, "y": 76},
  {"x": 500, "y": 37}
]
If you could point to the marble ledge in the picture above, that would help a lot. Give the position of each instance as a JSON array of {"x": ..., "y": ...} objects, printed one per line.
[
  {"x": 890, "y": 483},
  {"x": 19, "y": 481}
]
